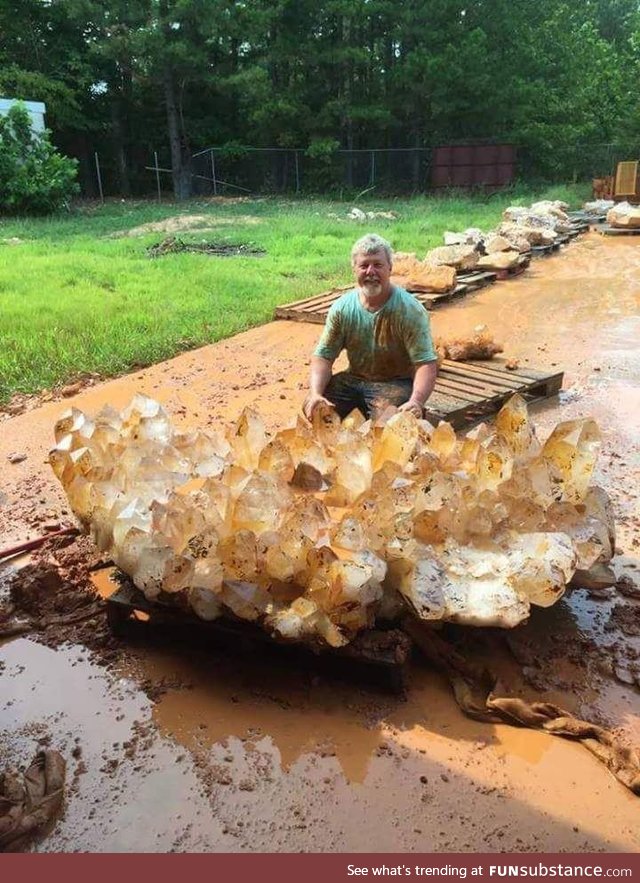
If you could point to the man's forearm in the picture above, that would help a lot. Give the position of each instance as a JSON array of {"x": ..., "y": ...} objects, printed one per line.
[
  {"x": 320, "y": 375},
  {"x": 424, "y": 381}
]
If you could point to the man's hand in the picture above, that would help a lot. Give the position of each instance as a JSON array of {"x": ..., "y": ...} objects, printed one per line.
[
  {"x": 318, "y": 381},
  {"x": 413, "y": 406},
  {"x": 312, "y": 402}
]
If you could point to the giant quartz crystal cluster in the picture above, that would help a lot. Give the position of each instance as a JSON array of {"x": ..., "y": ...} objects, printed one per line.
[{"x": 318, "y": 531}]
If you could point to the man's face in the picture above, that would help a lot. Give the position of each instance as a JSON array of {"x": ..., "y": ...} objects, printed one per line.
[{"x": 373, "y": 272}]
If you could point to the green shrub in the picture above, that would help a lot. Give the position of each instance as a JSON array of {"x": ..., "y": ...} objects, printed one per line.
[{"x": 34, "y": 177}]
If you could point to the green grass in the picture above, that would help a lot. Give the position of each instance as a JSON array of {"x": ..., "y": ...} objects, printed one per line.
[{"x": 74, "y": 299}]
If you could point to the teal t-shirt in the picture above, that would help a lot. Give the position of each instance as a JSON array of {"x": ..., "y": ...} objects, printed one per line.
[{"x": 385, "y": 345}]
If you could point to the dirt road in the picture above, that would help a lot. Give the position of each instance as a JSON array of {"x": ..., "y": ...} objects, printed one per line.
[{"x": 176, "y": 748}]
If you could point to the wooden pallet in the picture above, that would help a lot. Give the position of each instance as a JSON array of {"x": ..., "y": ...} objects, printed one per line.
[
  {"x": 586, "y": 218},
  {"x": 311, "y": 309},
  {"x": 540, "y": 251},
  {"x": 379, "y": 657},
  {"x": 509, "y": 272},
  {"x": 466, "y": 392},
  {"x": 430, "y": 300},
  {"x": 578, "y": 227},
  {"x": 475, "y": 279},
  {"x": 314, "y": 309},
  {"x": 607, "y": 230}
]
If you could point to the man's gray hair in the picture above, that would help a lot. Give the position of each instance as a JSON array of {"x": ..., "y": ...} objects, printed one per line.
[{"x": 370, "y": 243}]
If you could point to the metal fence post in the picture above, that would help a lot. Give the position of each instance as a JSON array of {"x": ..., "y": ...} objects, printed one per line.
[
  {"x": 295, "y": 153},
  {"x": 373, "y": 169},
  {"x": 155, "y": 157},
  {"x": 99, "y": 177},
  {"x": 213, "y": 173}
]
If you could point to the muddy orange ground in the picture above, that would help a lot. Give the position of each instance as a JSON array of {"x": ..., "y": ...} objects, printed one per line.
[{"x": 236, "y": 755}]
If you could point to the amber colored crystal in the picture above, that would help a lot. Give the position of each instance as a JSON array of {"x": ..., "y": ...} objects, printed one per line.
[{"x": 316, "y": 533}]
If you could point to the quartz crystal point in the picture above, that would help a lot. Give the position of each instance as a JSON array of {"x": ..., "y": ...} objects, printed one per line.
[
  {"x": 353, "y": 473},
  {"x": 248, "y": 438},
  {"x": 316, "y": 533},
  {"x": 591, "y": 527},
  {"x": 302, "y": 620},
  {"x": 570, "y": 453},
  {"x": 205, "y": 603},
  {"x": 444, "y": 443},
  {"x": 515, "y": 430},
  {"x": 349, "y": 534},
  {"x": 261, "y": 503},
  {"x": 326, "y": 425},
  {"x": 398, "y": 440},
  {"x": 276, "y": 460}
]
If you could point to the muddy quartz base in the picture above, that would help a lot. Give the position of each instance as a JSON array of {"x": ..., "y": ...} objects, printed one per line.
[{"x": 376, "y": 657}]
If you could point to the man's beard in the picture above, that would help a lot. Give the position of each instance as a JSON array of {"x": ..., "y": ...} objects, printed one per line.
[{"x": 372, "y": 288}]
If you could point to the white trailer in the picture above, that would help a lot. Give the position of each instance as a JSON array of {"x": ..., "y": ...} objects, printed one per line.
[{"x": 35, "y": 109}]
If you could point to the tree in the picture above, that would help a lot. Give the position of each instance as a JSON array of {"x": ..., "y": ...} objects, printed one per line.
[{"x": 127, "y": 78}]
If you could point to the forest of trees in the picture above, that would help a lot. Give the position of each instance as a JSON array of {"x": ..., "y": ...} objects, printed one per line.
[{"x": 127, "y": 77}]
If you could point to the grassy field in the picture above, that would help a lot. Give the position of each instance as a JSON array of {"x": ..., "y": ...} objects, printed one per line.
[{"x": 76, "y": 297}]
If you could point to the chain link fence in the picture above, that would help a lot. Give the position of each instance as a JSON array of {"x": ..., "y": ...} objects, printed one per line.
[
  {"x": 270, "y": 170},
  {"x": 236, "y": 171},
  {"x": 575, "y": 162}
]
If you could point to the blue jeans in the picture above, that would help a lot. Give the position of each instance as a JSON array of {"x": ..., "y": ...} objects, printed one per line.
[{"x": 347, "y": 392}]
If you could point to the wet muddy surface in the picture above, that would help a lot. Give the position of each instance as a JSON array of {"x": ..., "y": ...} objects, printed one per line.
[{"x": 189, "y": 747}]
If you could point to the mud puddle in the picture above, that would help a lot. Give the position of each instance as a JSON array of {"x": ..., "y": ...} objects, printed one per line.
[
  {"x": 233, "y": 756},
  {"x": 59, "y": 698}
]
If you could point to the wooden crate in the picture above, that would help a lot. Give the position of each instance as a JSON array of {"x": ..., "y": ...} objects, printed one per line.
[
  {"x": 627, "y": 182},
  {"x": 467, "y": 392}
]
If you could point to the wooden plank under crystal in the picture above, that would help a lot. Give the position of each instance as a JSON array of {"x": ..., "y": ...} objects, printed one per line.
[{"x": 374, "y": 656}]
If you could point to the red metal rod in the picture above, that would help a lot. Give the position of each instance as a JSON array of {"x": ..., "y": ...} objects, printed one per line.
[{"x": 28, "y": 545}]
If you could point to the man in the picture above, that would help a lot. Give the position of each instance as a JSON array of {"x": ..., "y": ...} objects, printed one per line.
[{"x": 386, "y": 334}]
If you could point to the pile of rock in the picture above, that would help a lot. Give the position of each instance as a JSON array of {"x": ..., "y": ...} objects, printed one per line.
[
  {"x": 421, "y": 276},
  {"x": 598, "y": 206},
  {"x": 624, "y": 215},
  {"x": 543, "y": 223},
  {"x": 478, "y": 346},
  {"x": 356, "y": 214}
]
